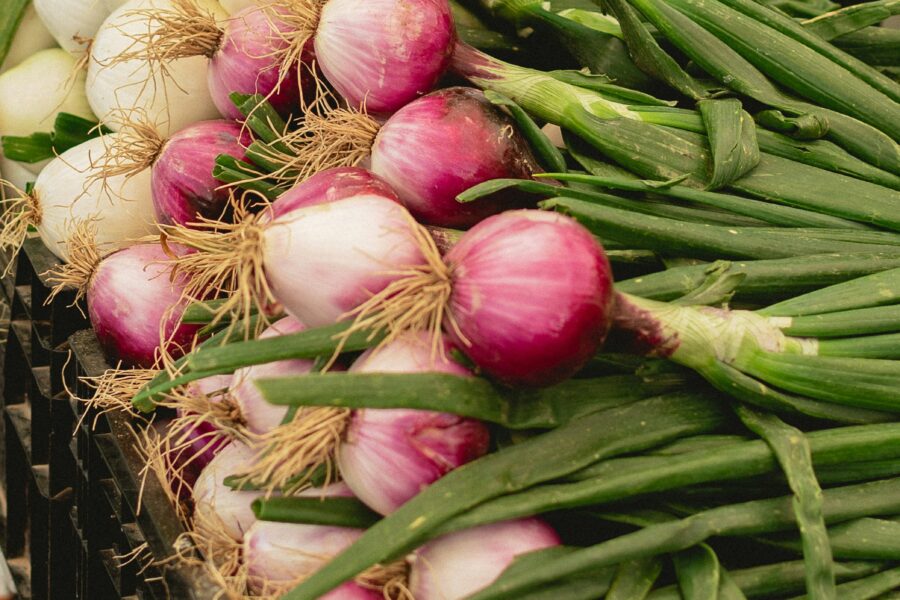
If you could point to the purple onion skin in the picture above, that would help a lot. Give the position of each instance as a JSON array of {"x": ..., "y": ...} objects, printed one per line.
[
  {"x": 244, "y": 63},
  {"x": 129, "y": 296},
  {"x": 384, "y": 53},
  {"x": 329, "y": 186},
  {"x": 181, "y": 178},
  {"x": 532, "y": 293},
  {"x": 456, "y": 565},
  {"x": 390, "y": 455},
  {"x": 442, "y": 144},
  {"x": 202, "y": 449}
]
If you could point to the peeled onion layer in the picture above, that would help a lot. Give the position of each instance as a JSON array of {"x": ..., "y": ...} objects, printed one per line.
[
  {"x": 121, "y": 206},
  {"x": 247, "y": 62},
  {"x": 170, "y": 99},
  {"x": 259, "y": 415},
  {"x": 72, "y": 23},
  {"x": 532, "y": 296},
  {"x": 182, "y": 182},
  {"x": 324, "y": 260},
  {"x": 384, "y": 53},
  {"x": 390, "y": 455},
  {"x": 444, "y": 143},
  {"x": 133, "y": 301},
  {"x": 481, "y": 554}
]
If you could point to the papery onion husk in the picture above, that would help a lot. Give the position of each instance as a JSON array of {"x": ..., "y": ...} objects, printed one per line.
[
  {"x": 456, "y": 565},
  {"x": 182, "y": 182},
  {"x": 259, "y": 415},
  {"x": 440, "y": 145},
  {"x": 389, "y": 455},
  {"x": 384, "y": 53}
]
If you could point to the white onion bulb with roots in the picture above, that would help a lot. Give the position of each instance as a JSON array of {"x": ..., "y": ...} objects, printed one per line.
[
  {"x": 171, "y": 95},
  {"x": 73, "y": 23}
]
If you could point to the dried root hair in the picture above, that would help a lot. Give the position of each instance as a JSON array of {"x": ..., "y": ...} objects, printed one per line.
[
  {"x": 113, "y": 391},
  {"x": 153, "y": 448},
  {"x": 330, "y": 135},
  {"x": 287, "y": 456},
  {"x": 392, "y": 580},
  {"x": 228, "y": 263},
  {"x": 182, "y": 31},
  {"x": 294, "y": 22},
  {"x": 133, "y": 148},
  {"x": 206, "y": 546},
  {"x": 17, "y": 214},
  {"x": 416, "y": 300},
  {"x": 84, "y": 258}
]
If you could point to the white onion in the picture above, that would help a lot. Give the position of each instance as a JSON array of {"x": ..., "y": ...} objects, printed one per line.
[
  {"x": 170, "y": 101},
  {"x": 70, "y": 19},
  {"x": 38, "y": 89},
  {"x": 234, "y": 6},
  {"x": 31, "y": 37},
  {"x": 123, "y": 209},
  {"x": 15, "y": 173},
  {"x": 217, "y": 502}
]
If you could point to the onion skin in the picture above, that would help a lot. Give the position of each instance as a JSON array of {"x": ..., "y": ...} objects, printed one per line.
[
  {"x": 259, "y": 414},
  {"x": 322, "y": 261},
  {"x": 458, "y": 564},
  {"x": 384, "y": 53},
  {"x": 440, "y": 145},
  {"x": 129, "y": 296},
  {"x": 219, "y": 503},
  {"x": 202, "y": 450},
  {"x": 181, "y": 178},
  {"x": 329, "y": 186},
  {"x": 390, "y": 455},
  {"x": 244, "y": 63},
  {"x": 532, "y": 293}
]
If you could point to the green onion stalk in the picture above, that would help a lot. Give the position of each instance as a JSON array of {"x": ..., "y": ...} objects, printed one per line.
[{"x": 632, "y": 136}]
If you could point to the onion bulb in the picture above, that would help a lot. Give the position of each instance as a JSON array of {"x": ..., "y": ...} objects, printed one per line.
[
  {"x": 31, "y": 37},
  {"x": 133, "y": 298},
  {"x": 278, "y": 555},
  {"x": 429, "y": 151},
  {"x": 457, "y": 565},
  {"x": 526, "y": 295},
  {"x": 390, "y": 455},
  {"x": 216, "y": 502},
  {"x": 72, "y": 189},
  {"x": 73, "y": 23},
  {"x": 330, "y": 185},
  {"x": 119, "y": 80},
  {"x": 259, "y": 415}
]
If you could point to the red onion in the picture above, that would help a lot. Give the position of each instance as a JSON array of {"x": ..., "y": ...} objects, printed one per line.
[
  {"x": 130, "y": 301},
  {"x": 442, "y": 144},
  {"x": 181, "y": 177},
  {"x": 279, "y": 554},
  {"x": 259, "y": 415},
  {"x": 384, "y": 53},
  {"x": 219, "y": 503},
  {"x": 457, "y": 565},
  {"x": 246, "y": 62},
  {"x": 204, "y": 436},
  {"x": 331, "y": 185},
  {"x": 389, "y": 455},
  {"x": 532, "y": 296}
]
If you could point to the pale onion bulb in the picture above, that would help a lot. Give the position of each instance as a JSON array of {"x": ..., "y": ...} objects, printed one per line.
[
  {"x": 278, "y": 554},
  {"x": 15, "y": 173},
  {"x": 73, "y": 23},
  {"x": 123, "y": 208},
  {"x": 458, "y": 564},
  {"x": 170, "y": 100},
  {"x": 112, "y": 5},
  {"x": 261, "y": 416},
  {"x": 38, "y": 89},
  {"x": 235, "y": 6},
  {"x": 217, "y": 502},
  {"x": 31, "y": 37}
]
